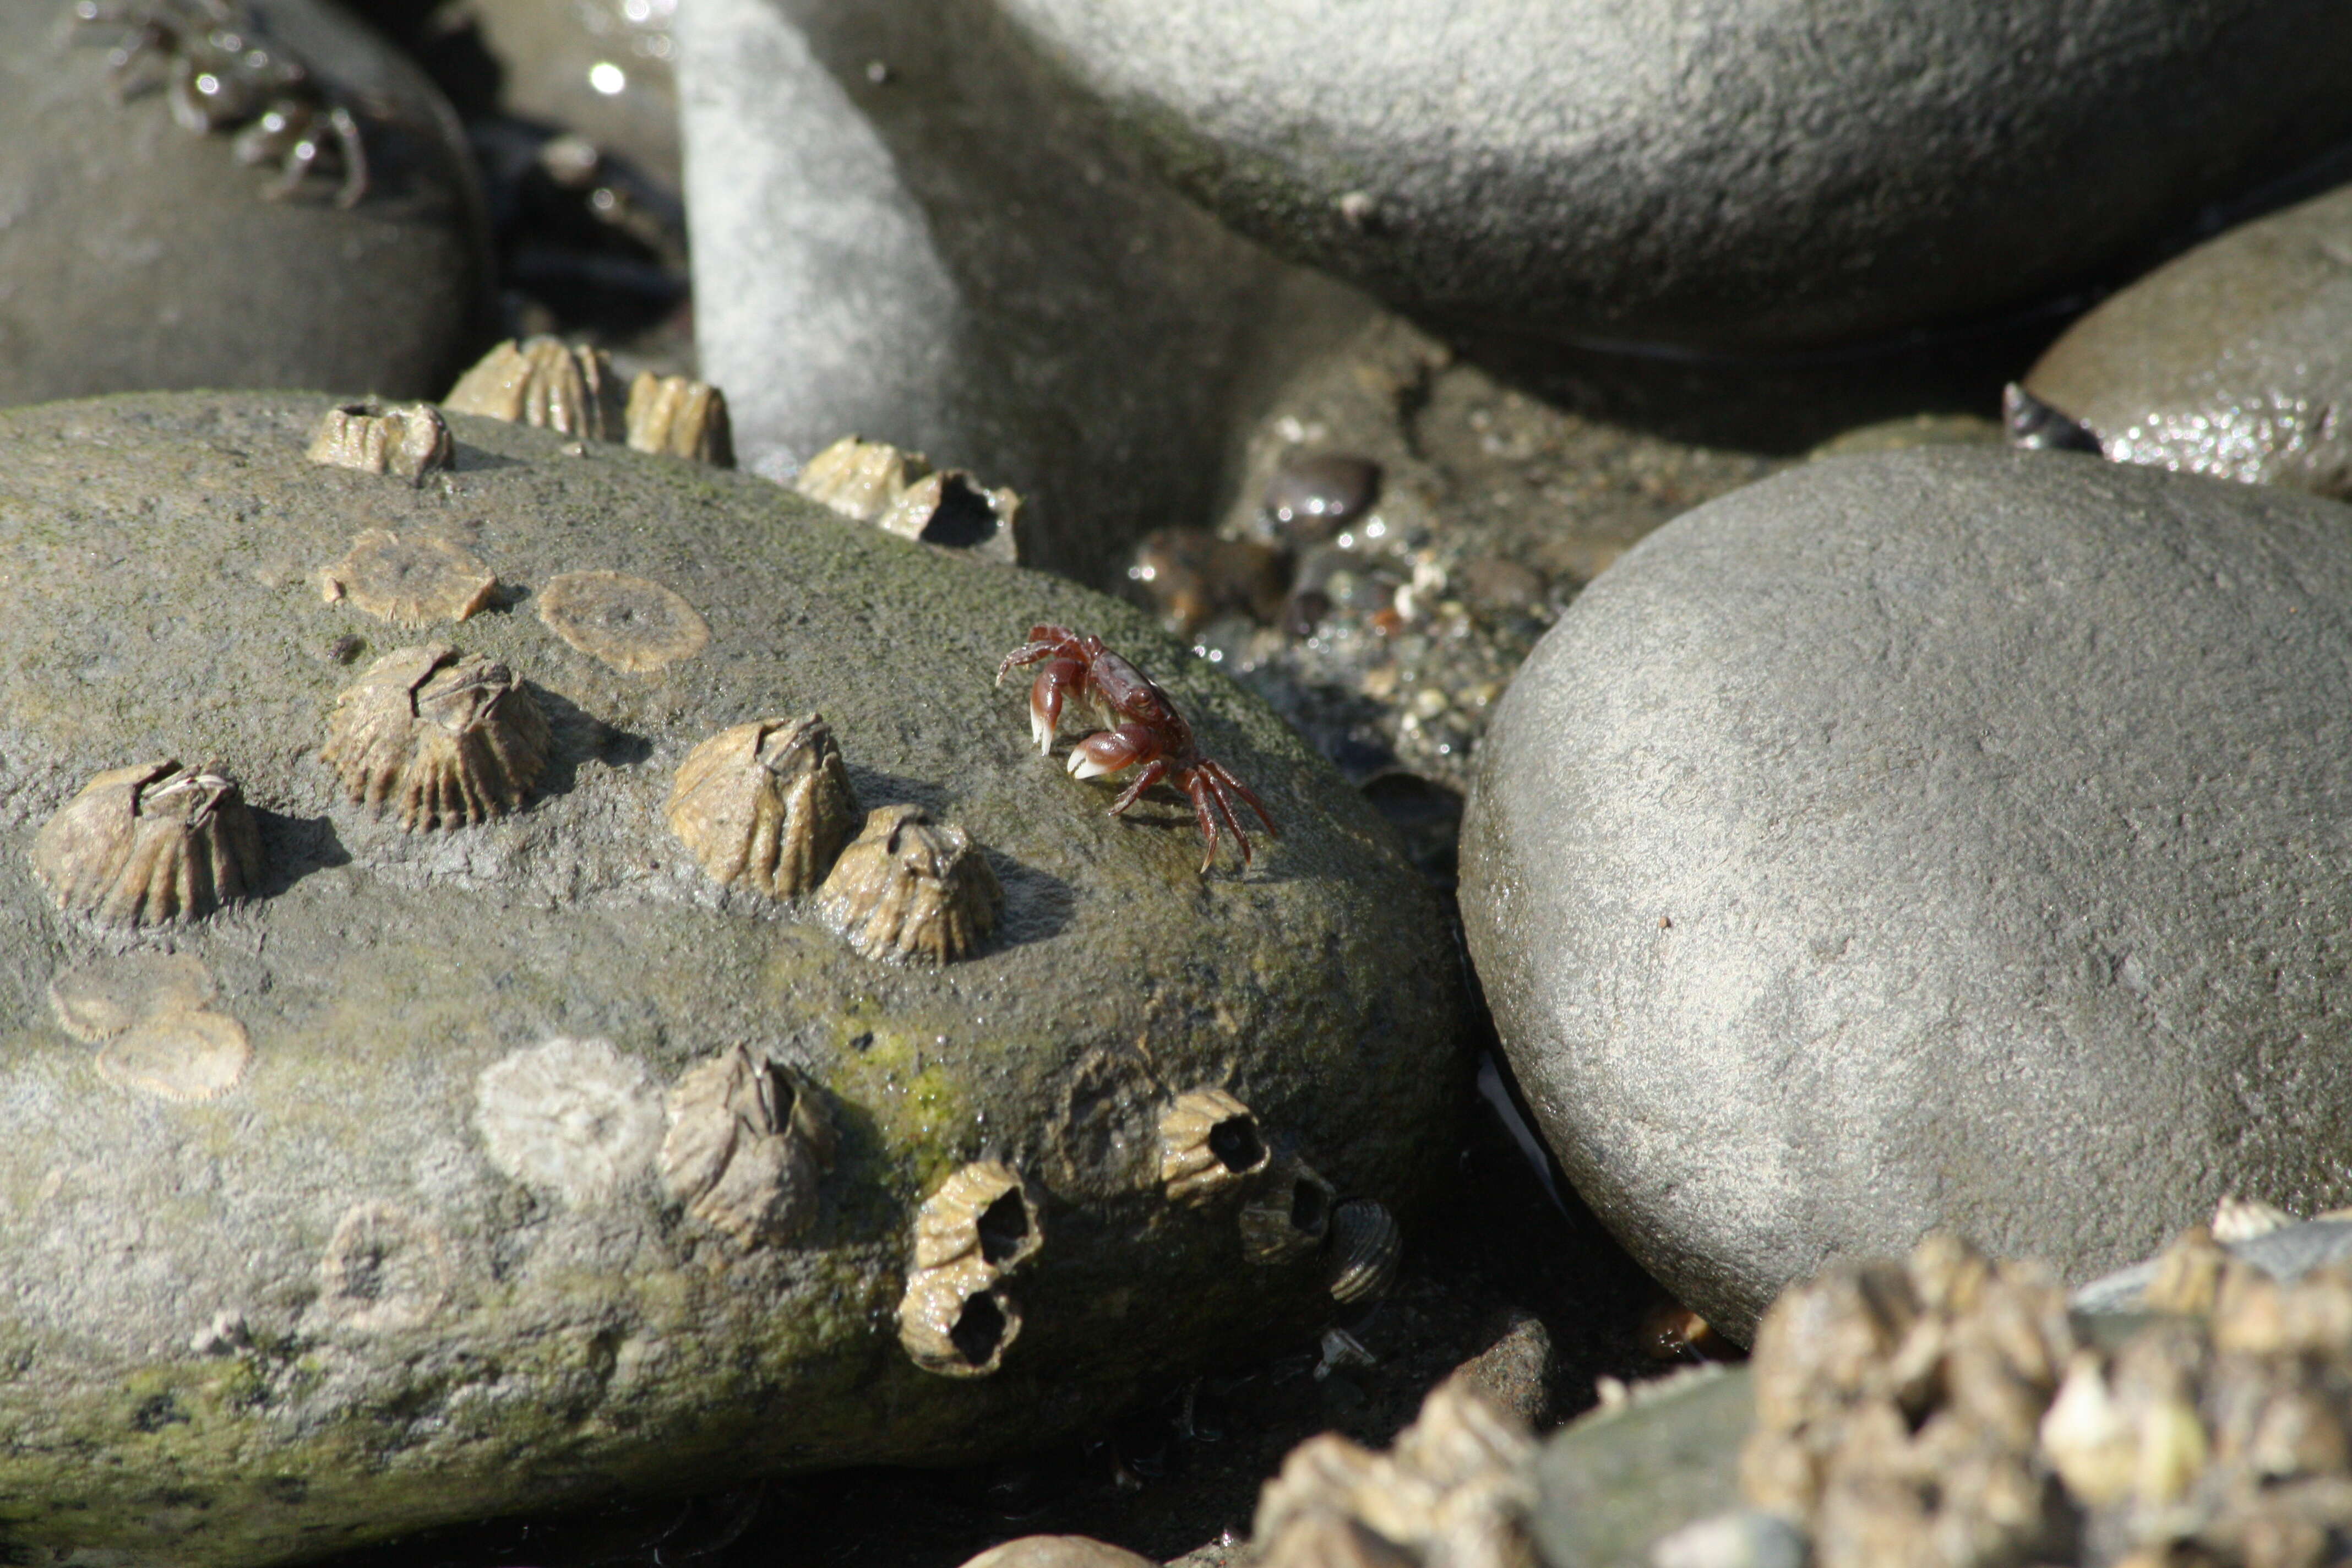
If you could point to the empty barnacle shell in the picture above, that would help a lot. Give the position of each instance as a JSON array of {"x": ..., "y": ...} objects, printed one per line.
[
  {"x": 956, "y": 1318},
  {"x": 748, "y": 1144},
  {"x": 957, "y": 1321},
  {"x": 1209, "y": 1144},
  {"x": 544, "y": 382},
  {"x": 767, "y": 803},
  {"x": 140, "y": 846},
  {"x": 861, "y": 479},
  {"x": 407, "y": 442},
  {"x": 1287, "y": 1215},
  {"x": 1365, "y": 1243},
  {"x": 910, "y": 887},
  {"x": 630, "y": 623},
  {"x": 410, "y": 581},
  {"x": 680, "y": 417},
  {"x": 440, "y": 738},
  {"x": 983, "y": 1210}
]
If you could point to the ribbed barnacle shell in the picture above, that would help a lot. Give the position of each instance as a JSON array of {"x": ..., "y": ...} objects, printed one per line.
[
  {"x": 956, "y": 1318},
  {"x": 1365, "y": 1243},
  {"x": 875, "y": 482},
  {"x": 1209, "y": 1145},
  {"x": 860, "y": 479},
  {"x": 406, "y": 442},
  {"x": 767, "y": 803},
  {"x": 910, "y": 887},
  {"x": 1287, "y": 1214},
  {"x": 680, "y": 417},
  {"x": 544, "y": 382},
  {"x": 140, "y": 846},
  {"x": 748, "y": 1144},
  {"x": 438, "y": 737}
]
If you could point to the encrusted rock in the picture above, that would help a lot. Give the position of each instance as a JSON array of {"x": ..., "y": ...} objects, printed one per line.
[
  {"x": 156, "y": 842},
  {"x": 748, "y": 1144},
  {"x": 630, "y": 623},
  {"x": 910, "y": 887},
  {"x": 545, "y": 381},
  {"x": 410, "y": 581},
  {"x": 1209, "y": 1145},
  {"x": 767, "y": 803},
  {"x": 956, "y": 1318},
  {"x": 680, "y": 417},
  {"x": 439, "y": 738},
  {"x": 1287, "y": 1215},
  {"x": 408, "y": 442},
  {"x": 1366, "y": 1246}
]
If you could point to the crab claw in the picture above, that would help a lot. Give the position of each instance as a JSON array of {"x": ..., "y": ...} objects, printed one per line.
[
  {"x": 1041, "y": 730},
  {"x": 1082, "y": 766}
]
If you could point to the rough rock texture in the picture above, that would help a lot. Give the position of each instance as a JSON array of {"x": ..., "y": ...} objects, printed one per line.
[
  {"x": 1941, "y": 838},
  {"x": 1719, "y": 175},
  {"x": 905, "y": 229},
  {"x": 2234, "y": 360},
  {"x": 135, "y": 253},
  {"x": 417, "y": 1265}
]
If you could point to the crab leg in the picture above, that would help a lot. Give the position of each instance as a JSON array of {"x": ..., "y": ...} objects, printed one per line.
[
  {"x": 1153, "y": 771},
  {"x": 1226, "y": 779}
]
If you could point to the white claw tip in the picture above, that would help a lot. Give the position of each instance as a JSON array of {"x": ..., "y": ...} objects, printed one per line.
[
  {"x": 1040, "y": 733},
  {"x": 1082, "y": 766}
]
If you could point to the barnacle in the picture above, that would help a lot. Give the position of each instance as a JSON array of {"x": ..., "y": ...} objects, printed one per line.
[
  {"x": 410, "y": 581},
  {"x": 861, "y": 479},
  {"x": 156, "y": 842},
  {"x": 1287, "y": 1215},
  {"x": 875, "y": 482},
  {"x": 681, "y": 418},
  {"x": 748, "y": 1143},
  {"x": 572, "y": 1117},
  {"x": 767, "y": 803},
  {"x": 910, "y": 887},
  {"x": 1365, "y": 1243},
  {"x": 94, "y": 1002},
  {"x": 982, "y": 1224},
  {"x": 627, "y": 622},
  {"x": 384, "y": 1268},
  {"x": 181, "y": 1054},
  {"x": 1209, "y": 1145},
  {"x": 442, "y": 739},
  {"x": 543, "y": 382},
  {"x": 407, "y": 442}
]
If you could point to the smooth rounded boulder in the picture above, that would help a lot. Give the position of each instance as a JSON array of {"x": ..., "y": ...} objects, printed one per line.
[{"x": 1950, "y": 838}]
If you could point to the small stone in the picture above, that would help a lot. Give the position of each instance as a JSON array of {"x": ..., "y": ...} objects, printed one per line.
[
  {"x": 185, "y": 1055},
  {"x": 629, "y": 622},
  {"x": 680, "y": 417},
  {"x": 1515, "y": 1372},
  {"x": 1312, "y": 496},
  {"x": 1192, "y": 576},
  {"x": 1495, "y": 586},
  {"x": 406, "y": 442},
  {"x": 410, "y": 581}
]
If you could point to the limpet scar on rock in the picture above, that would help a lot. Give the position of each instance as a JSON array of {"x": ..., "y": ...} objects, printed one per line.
[
  {"x": 185, "y": 1055},
  {"x": 748, "y": 1143},
  {"x": 680, "y": 417},
  {"x": 1366, "y": 1245},
  {"x": 629, "y": 622},
  {"x": 979, "y": 1226},
  {"x": 96, "y": 1001},
  {"x": 410, "y": 581},
  {"x": 910, "y": 887},
  {"x": 572, "y": 1117},
  {"x": 767, "y": 803},
  {"x": 1209, "y": 1144},
  {"x": 439, "y": 738},
  {"x": 1287, "y": 1215},
  {"x": 546, "y": 383},
  {"x": 407, "y": 442},
  {"x": 384, "y": 1268},
  {"x": 143, "y": 845}
]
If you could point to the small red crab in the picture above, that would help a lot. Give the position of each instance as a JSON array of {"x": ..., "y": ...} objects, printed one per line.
[{"x": 1144, "y": 728}]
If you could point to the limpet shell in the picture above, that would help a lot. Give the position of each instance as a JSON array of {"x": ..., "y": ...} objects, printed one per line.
[
  {"x": 1287, "y": 1215},
  {"x": 767, "y": 803},
  {"x": 1209, "y": 1145},
  {"x": 543, "y": 382},
  {"x": 955, "y": 1319},
  {"x": 143, "y": 845},
  {"x": 96, "y": 1001},
  {"x": 1366, "y": 1245},
  {"x": 407, "y": 443},
  {"x": 748, "y": 1144},
  {"x": 910, "y": 887},
  {"x": 439, "y": 738},
  {"x": 680, "y": 417},
  {"x": 410, "y": 581},
  {"x": 184, "y": 1055},
  {"x": 629, "y": 622}
]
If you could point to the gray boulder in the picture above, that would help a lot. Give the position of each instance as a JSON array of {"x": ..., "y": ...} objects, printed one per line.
[
  {"x": 136, "y": 254},
  {"x": 1954, "y": 838},
  {"x": 424, "y": 1184},
  {"x": 1723, "y": 176}
]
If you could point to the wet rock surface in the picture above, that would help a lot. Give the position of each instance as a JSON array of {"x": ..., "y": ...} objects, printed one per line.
[
  {"x": 1867, "y": 836},
  {"x": 425, "y": 1220},
  {"x": 138, "y": 254},
  {"x": 1711, "y": 177},
  {"x": 2229, "y": 360}
]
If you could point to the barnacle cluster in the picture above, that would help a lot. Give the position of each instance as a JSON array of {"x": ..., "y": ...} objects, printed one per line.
[
  {"x": 748, "y": 1144},
  {"x": 574, "y": 391},
  {"x": 437, "y": 737},
  {"x": 982, "y": 1224},
  {"x": 151, "y": 843},
  {"x": 900, "y": 492}
]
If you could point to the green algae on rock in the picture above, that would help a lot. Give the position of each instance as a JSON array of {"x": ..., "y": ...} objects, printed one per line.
[{"x": 420, "y": 1259}]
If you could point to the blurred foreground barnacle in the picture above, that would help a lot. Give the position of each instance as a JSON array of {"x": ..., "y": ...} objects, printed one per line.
[
  {"x": 681, "y": 418},
  {"x": 910, "y": 887},
  {"x": 875, "y": 482},
  {"x": 406, "y": 442},
  {"x": 1287, "y": 1215},
  {"x": 410, "y": 581},
  {"x": 748, "y": 1143},
  {"x": 1209, "y": 1145},
  {"x": 439, "y": 738},
  {"x": 767, "y": 803},
  {"x": 140, "y": 846},
  {"x": 544, "y": 382},
  {"x": 956, "y": 1318},
  {"x": 1365, "y": 1243},
  {"x": 629, "y": 622}
]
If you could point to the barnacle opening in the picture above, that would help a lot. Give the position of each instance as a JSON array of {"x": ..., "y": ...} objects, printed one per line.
[
  {"x": 966, "y": 516},
  {"x": 1236, "y": 1144},
  {"x": 1310, "y": 1207},
  {"x": 978, "y": 1331},
  {"x": 1004, "y": 1228}
]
